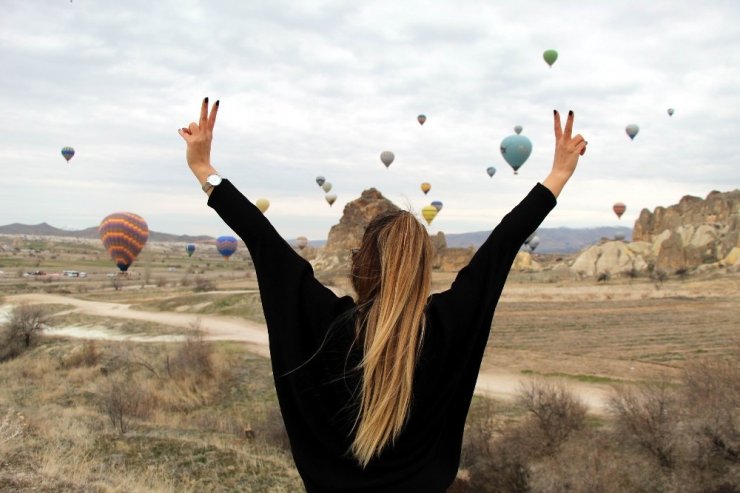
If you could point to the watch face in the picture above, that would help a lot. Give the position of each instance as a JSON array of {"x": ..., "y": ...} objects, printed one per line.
[{"x": 214, "y": 180}]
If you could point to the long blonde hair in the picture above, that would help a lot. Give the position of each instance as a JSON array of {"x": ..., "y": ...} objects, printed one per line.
[{"x": 391, "y": 274}]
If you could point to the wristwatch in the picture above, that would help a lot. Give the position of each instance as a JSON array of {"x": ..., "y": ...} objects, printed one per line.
[{"x": 212, "y": 181}]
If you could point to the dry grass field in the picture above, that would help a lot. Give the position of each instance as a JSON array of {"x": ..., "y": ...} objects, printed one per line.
[{"x": 202, "y": 416}]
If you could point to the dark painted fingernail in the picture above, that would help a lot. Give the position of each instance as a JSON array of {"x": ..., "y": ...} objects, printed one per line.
[
  {"x": 206, "y": 100},
  {"x": 218, "y": 101},
  {"x": 570, "y": 113},
  {"x": 554, "y": 112}
]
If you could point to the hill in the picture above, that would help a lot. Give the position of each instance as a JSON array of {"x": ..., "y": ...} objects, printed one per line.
[
  {"x": 552, "y": 240},
  {"x": 45, "y": 229}
]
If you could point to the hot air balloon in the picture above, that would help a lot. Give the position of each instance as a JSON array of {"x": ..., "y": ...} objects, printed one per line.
[
  {"x": 331, "y": 198},
  {"x": 425, "y": 187},
  {"x": 671, "y": 111},
  {"x": 619, "y": 209},
  {"x": 518, "y": 129},
  {"x": 68, "y": 153},
  {"x": 533, "y": 243},
  {"x": 429, "y": 212},
  {"x": 326, "y": 187},
  {"x": 550, "y": 56},
  {"x": 491, "y": 171},
  {"x": 387, "y": 158},
  {"x": 437, "y": 205},
  {"x": 226, "y": 246},
  {"x": 632, "y": 130},
  {"x": 320, "y": 180},
  {"x": 516, "y": 149},
  {"x": 262, "y": 205},
  {"x": 301, "y": 242},
  {"x": 190, "y": 248},
  {"x": 124, "y": 234},
  {"x": 421, "y": 119}
]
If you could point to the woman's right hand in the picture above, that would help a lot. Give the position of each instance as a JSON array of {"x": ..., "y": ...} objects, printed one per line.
[{"x": 198, "y": 137}]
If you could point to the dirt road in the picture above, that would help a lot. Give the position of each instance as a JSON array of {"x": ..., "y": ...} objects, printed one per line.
[{"x": 500, "y": 385}]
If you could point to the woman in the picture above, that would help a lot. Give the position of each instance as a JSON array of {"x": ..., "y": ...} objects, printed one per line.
[{"x": 374, "y": 392}]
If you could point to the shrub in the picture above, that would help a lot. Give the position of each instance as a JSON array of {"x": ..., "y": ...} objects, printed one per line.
[
  {"x": 202, "y": 284},
  {"x": 22, "y": 330},
  {"x": 659, "y": 276},
  {"x": 603, "y": 277},
  {"x": 554, "y": 411},
  {"x": 646, "y": 417},
  {"x": 121, "y": 399},
  {"x": 192, "y": 358},
  {"x": 88, "y": 355}
]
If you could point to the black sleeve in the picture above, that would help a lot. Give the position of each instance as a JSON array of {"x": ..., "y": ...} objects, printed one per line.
[
  {"x": 298, "y": 308},
  {"x": 467, "y": 307}
]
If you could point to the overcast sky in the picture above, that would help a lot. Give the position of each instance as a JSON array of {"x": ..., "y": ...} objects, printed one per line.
[{"x": 313, "y": 88}]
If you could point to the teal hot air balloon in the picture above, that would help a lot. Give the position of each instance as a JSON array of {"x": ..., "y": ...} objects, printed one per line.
[
  {"x": 518, "y": 129},
  {"x": 226, "y": 246},
  {"x": 190, "y": 248},
  {"x": 320, "y": 180},
  {"x": 632, "y": 130},
  {"x": 491, "y": 171},
  {"x": 550, "y": 56},
  {"x": 437, "y": 205},
  {"x": 421, "y": 119},
  {"x": 68, "y": 153},
  {"x": 516, "y": 150}
]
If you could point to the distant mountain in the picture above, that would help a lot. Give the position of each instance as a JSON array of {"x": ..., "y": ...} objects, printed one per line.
[
  {"x": 552, "y": 240},
  {"x": 45, "y": 229}
]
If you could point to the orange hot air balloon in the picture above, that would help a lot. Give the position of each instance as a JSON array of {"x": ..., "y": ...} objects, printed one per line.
[
  {"x": 123, "y": 234},
  {"x": 619, "y": 209},
  {"x": 425, "y": 187}
]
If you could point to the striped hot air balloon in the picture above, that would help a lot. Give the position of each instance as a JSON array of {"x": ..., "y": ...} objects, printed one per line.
[
  {"x": 68, "y": 153},
  {"x": 123, "y": 234},
  {"x": 226, "y": 246}
]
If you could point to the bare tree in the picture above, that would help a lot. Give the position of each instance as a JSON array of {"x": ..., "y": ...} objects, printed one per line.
[{"x": 22, "y": 330}]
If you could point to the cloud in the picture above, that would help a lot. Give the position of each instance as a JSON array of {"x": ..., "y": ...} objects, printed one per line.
[{"x": 313, "y": 87}]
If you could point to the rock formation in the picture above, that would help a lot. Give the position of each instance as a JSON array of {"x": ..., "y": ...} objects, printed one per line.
[
  {"x": 691, "y": 234},
  {"x": 333, "y": 258}
]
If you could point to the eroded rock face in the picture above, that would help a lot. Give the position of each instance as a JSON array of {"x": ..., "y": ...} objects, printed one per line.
[
  {"x": 347, "y": 234},
  {"x": 693, "y": 233},
  {"x": 334, "y": 257}
]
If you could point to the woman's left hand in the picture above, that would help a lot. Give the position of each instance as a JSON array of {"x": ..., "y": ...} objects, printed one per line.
[{"x": 198, "y": 137}]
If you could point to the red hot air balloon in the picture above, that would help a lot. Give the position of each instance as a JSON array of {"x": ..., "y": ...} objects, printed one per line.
[
  {"x": 123, "y": 234},
  {"x": 619, "y": 209}
]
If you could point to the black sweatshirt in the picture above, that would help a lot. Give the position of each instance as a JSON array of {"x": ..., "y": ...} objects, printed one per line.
[{"x": 311, "y": 331}]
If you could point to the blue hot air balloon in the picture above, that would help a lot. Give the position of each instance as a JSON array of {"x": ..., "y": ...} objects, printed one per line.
[
  {"x": 226, "y": 246},
  {"x": 68, "y": 153},
  {"x": 516, "y": 149},
  {"x": 437, "y": 205},
  {"x": 190, "y": 248}
]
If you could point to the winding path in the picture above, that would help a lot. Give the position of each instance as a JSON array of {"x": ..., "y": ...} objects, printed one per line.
[{"x": 500, "y": 385}]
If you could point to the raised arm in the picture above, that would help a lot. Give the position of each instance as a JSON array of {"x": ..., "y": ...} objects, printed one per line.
[
  {"x": 469, "y": 303},
  {"x": 297, "y": 307}
]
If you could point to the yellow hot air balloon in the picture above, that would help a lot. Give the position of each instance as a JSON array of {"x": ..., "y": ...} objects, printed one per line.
[
  {"x": 262, "y": 205},
  {"x": 425, "y": 187},
  {"x": 429, "y": 212}
]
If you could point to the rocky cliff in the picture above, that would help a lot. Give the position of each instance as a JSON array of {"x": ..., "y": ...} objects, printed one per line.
[
  {"x": 693, "y": 234},
  {"x": 333, "y": 258}
]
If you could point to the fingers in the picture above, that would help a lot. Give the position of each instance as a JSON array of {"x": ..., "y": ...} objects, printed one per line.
[
  {"x": 204, "y": 113},
  {"x": 184, "y": 133},
  {"x": 569, "y": 125},
  {"x": 558, "y": 127},
  {"x": 193, "y": 128},
  {"x": 212, "y": 117}
]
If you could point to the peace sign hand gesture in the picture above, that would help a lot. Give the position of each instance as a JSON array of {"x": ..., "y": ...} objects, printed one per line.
[
  {"x": 567, "y": 151},
  {"x": 198, "y": 137}
]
